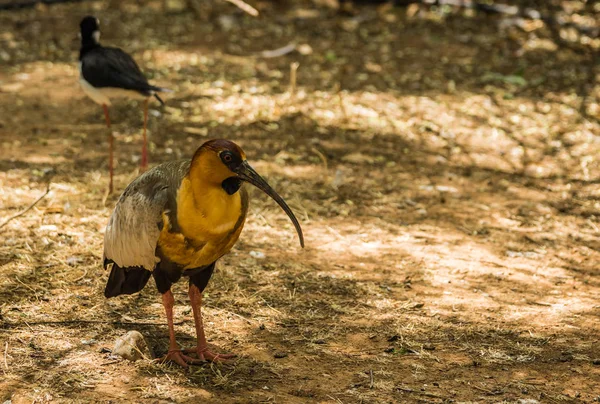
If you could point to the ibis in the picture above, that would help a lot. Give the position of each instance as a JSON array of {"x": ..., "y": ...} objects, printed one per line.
[{"x": 176, "y": 220}]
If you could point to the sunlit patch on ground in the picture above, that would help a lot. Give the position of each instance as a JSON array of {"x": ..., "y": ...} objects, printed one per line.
[{"x": 443, "y": 165}]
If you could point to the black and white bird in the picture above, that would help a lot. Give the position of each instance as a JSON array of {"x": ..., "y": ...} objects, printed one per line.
[{"x": 107, "y": 73}]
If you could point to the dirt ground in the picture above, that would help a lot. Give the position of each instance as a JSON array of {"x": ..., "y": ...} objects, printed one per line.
[{"x": 444, "y": 166}]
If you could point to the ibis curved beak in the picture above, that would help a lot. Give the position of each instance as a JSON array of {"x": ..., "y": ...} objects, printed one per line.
[{"x": 247, "y": 173}]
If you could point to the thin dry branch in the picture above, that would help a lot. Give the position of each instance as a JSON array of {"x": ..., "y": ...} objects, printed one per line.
[
  {"x": 293, "y": 76},
  {"x": 6, "y": 355},
  {"x": 28, "y": 208},
  {"x": 244, "y": 7},
  {"x": 65, "y": 322},
  {"x": 275, "y": 53}
]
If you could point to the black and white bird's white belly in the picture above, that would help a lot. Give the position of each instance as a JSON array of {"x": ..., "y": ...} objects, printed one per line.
[{"x": 103, "y": 95}]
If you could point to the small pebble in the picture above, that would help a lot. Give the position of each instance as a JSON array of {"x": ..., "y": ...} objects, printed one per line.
[
  {"x": 280, "y": 355},
  {"x": 131, "y": 346},
  {"x": 257, "y": 254}
]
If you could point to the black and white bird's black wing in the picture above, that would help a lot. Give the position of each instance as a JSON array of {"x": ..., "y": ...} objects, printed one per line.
[{"x": 113, "y": 68}]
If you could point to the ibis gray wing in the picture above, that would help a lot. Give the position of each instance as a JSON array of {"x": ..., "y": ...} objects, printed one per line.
[{"x": 134, "y": 226}]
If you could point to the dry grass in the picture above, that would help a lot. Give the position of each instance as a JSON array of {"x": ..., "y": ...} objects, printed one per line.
[{"x": 451, "y": 213}]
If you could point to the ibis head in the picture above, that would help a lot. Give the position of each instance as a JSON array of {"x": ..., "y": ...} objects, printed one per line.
[{"x": 224, "y": 164}]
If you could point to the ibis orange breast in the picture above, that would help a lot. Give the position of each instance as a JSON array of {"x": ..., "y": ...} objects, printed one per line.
[{"x": 208, "y": 225}]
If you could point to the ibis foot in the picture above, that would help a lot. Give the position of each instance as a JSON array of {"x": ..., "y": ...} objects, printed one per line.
[
  {"x": 179, "y": 358},
  {"x": 205, "y": 355}
]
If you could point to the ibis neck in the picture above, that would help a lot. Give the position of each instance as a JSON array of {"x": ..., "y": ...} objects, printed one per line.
[{"x": 205, "y": 210}]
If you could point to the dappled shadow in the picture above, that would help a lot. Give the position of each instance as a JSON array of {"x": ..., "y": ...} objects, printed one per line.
[
  {"x": 450, "y": 215},
  {"x": 416, "y": 237}
]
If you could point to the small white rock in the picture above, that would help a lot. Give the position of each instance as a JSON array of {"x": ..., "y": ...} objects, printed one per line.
[
  {"x": 257, "y": 254},
  {"x": 304, "y": 49},
  {"x": 132, "y": 346}
]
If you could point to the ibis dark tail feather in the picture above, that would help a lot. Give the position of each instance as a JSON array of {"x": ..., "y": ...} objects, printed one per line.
[{"x": 125, "y": 281}]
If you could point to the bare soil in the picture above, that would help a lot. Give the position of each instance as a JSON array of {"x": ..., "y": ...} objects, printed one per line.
[{"x": 444, "y": 166}]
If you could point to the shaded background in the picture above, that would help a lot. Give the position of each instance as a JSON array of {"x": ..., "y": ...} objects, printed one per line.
[{"x": 442, "y": 159}]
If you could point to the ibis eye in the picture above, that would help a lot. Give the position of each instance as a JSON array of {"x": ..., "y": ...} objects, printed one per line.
[{"x": 227, "y": 157}]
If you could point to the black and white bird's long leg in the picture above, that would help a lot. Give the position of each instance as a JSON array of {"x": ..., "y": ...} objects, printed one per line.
[
  {"x": 110, "y": 149},
  {"x": 145, "y": 146}
]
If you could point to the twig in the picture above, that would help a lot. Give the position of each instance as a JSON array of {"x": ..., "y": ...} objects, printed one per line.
[
  {"x": 7, "y": 324},
  {"x": 275, "y": 53},
  {"x": 81, "y": 277},
  {"x": 269, "y": 306},
  {"x": 250, "y": 321},
  {"x": 28, "y": 208},
  {"x": 321, "y": 156},
  {"x": 538, "y": 303},
  {"x": 343, "y": 106},
  {"x": 6, "y": 355},
  {"x": 372, "y": 379},
  {"x": 28, "y": 287},
  {"x": 335, "y": 232},
  {"x": 337, "y": 400},
  {"x": 293, "y": 75},
  {"x": 244, "y": 7}
]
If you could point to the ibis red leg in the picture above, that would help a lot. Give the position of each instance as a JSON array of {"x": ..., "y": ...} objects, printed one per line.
[
  {"x": 145, "y": 145},
  {"x": 174, "y": 354},
  {"x": 202, "y": 345},
  {"x": 110, "y": 149}
]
